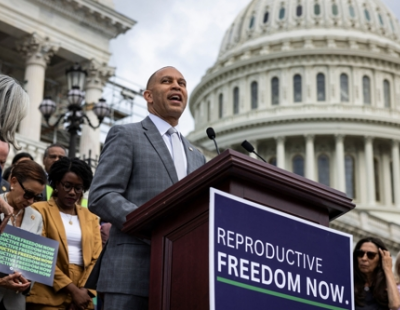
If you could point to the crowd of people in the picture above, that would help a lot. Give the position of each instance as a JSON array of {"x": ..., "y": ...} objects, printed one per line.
[
  {"x": 152, "y": 155},
  {"x": 46, "y": 201}
]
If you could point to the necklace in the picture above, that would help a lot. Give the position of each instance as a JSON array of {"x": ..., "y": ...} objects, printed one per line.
[
  {"x": 61, "y": 210},
  {"x": 15, "y": 217},
  {"x": 70, "y": 220}
]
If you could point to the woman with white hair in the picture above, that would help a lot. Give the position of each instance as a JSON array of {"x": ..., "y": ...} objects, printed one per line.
[{"x": 14, "y": 102}]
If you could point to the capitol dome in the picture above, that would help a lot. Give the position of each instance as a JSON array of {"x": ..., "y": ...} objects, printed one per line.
[
  {"x": 314, "y": 85},
  {"x": 265, "y": 23}
]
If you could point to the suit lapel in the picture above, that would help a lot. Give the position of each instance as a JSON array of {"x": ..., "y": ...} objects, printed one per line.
[
  {"x": 29, "y": 220},
  {"x": 189, "y": 156},
  {"x": 154, "y": 137}
]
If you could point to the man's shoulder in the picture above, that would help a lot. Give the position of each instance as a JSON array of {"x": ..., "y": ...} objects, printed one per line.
[
  {"x": 128, "y": 126},
  {"x": 144, "y": 124}
]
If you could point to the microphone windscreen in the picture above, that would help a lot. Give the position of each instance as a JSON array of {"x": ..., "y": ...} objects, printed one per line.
[
  {"x": 247, "y": 146},
  {"x": 210, "y": 133}
]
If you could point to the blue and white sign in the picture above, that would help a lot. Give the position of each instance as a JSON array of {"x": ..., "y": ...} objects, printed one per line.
[{"x": 261, "y": 258}]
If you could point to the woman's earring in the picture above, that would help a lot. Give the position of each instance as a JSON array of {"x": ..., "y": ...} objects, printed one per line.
[{"x": 11, "y": 188}]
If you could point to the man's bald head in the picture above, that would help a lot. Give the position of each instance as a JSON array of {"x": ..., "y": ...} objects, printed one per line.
[
  {"x": 166, "y": 94},
  {"x": 150, "y": 81}
]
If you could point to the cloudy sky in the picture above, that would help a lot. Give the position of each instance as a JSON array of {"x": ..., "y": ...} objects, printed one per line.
[{"x": 182, "y": 33}]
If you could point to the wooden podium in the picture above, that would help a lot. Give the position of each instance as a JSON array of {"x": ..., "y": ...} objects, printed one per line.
[{"x": 176, "y": 221}]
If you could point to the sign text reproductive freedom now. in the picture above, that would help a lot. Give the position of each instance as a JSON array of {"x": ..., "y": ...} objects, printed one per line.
[
  {"x": 32, "y": 255},
  {"x": 261, "y": 258}
]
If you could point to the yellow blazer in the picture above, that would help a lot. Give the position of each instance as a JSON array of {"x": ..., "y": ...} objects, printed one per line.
[{"x": 53, "y": 228}]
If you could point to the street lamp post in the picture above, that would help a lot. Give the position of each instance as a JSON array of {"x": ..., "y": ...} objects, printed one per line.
[{"x": 74, "y": 117}]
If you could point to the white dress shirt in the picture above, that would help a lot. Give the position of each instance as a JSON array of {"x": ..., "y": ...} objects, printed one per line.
[{"x": 163, "y": 127}]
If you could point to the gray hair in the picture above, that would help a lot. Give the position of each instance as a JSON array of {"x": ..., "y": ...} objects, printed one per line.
[{"x": 14, "y": 102}]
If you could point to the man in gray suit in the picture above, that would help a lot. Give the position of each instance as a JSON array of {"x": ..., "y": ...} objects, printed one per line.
[{"x": 138, "y": 162}]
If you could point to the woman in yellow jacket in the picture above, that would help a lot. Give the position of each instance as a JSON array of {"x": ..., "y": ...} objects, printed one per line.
[{"x": 77, "y": 231}]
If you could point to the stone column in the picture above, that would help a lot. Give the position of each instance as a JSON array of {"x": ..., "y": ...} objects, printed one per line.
[
  {"x": 369, "y": 163},
  {"x": 396, "y": 172},
  {"x": 37, "y": 51},
  {"x": 280, "y": 152},
  {"x": 387, "y": 198},
  {"x": 98, "y": 75},
  {"x": 310, "y": 171},
  {"x": 341, "y": 181}
]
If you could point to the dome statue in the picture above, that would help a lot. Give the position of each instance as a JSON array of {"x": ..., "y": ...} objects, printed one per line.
[{"x": 314, "y": 85}]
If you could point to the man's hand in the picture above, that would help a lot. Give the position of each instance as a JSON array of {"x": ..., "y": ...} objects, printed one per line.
[{"x": 15, "y": 282}]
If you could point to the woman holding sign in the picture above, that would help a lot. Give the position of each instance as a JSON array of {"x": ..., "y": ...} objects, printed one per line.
[
  {"x": 14, "y": 102},
  {"x": 27, "y": 182},
  {"x": 374, "y": 284},
  {"x": 77, "y": 230}
]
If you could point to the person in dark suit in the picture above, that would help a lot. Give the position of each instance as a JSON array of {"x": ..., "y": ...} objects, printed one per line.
[
  {"x": 138, "y": 162},
  {"x": 4, "y": 186}
]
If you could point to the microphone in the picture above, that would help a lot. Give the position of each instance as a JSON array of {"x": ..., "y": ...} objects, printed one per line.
[
  {"x": 211, "y": 134},
  {"x": 249, "y": 148}
]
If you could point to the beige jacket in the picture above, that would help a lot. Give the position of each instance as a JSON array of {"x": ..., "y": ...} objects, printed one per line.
[{"x": 53, "y": 228}]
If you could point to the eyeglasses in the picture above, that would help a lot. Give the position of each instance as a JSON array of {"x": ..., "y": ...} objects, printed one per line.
[
  {"x": 68, "y": 186},
  {"x": 370, "y": 255},
  {"x": 29, "y": 194}
]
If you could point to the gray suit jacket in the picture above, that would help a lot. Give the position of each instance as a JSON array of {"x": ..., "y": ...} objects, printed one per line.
[
  {"x": 135, "y": 165},
  {"x": 33, "y": 223}
]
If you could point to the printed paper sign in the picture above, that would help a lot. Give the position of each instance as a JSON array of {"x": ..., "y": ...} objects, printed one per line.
[
  {"x": 261, "y": 258},
  {"x": 32, "y": 255}
]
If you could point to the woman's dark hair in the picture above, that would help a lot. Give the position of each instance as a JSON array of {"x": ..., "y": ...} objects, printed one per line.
[
  {"x": 378, "y": 282},
  {"x": 29, "y": 170},
  {"x": 21, "y": 155},
  {"x": 75, "y": 165}
]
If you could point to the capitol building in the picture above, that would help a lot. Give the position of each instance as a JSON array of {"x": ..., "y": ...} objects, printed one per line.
[
  {"x": 314, "y": 85},
  {"x": 40, "y": 41}
]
